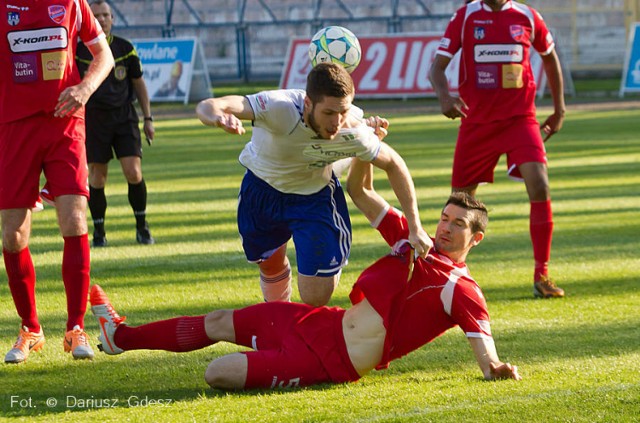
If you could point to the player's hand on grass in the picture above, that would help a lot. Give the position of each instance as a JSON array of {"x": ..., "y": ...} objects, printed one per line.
[
  {"x": 453, "y": 107},
  {"x": 552, "y": 125},
  {"x": 504, "y": 371}
]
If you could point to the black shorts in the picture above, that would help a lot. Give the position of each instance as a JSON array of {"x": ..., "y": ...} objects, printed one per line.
[{"x": 112, "y": 131}]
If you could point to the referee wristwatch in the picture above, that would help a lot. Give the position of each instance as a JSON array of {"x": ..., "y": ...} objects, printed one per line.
[{"x": 149, "y": 118}]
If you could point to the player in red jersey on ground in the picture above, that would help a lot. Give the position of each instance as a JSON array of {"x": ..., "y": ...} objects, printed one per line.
[
  {"x": 42, "y": 129},
  {"x": 496, "y": 105},
  {"x": 399, "y": 304}
]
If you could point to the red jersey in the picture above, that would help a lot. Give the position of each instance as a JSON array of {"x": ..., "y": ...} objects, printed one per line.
[
  {"x": 417, "y": 308},
  {"x": 496, "y": 80},
  {"x": 37, "y": 55}
]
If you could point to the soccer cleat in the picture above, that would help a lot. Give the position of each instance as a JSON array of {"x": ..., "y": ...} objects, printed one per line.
[
  {"x": 143, "y": 236},
  {"x": 546, "y": 288},
  {"x": 99, "y": 240},
  {"x": 26, "y": 342},
  {"x": 108, "y": 320},
  {"x": 76, "y": 342}
]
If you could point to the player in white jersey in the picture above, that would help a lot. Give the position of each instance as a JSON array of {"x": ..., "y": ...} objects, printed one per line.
[{"x": 289, "y": 189}]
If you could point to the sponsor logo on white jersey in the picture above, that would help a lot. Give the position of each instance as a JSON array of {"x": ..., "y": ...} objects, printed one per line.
[
  {"x": 38, "y": 39},
  {"x": 498, "y": 53},
  {"x": 263, "y": 101}
]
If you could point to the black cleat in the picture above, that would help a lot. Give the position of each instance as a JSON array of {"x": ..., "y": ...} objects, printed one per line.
[
  {"x": 143, "y": 236},
  {"x": 99, "y": 240}
]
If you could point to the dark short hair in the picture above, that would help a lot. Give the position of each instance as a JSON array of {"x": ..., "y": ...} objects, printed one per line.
[
  {"x": 479, "y": 213},
  {"x": 99, "y": 2},
  {"x": 329, "y": 80}
]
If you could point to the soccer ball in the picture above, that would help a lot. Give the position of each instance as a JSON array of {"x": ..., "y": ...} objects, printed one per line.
[{"x": 335, "y": 44}]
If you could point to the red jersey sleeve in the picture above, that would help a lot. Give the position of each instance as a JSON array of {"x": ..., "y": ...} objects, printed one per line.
[
  {"x": 392, "y": 225},
  {"x": 451, "y": 42},
  {"x": 89, "y": 30},
  {"x": 543, "y": 40},
  {"x": 469, "y": 310}
]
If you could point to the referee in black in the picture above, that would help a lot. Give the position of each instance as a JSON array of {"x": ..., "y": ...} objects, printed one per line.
[{"x": 112, "y": 126}]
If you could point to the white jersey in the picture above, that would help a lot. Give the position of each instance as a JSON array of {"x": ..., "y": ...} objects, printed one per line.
[{"x": 288, "y": 155}]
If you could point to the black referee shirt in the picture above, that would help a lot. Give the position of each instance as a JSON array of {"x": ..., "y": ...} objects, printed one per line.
[{"x": 117, "y": 90}]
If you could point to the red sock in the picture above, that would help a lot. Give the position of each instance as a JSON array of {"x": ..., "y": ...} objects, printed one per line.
[
  {"x": 541, "y": 229},
  {"x": 22, "y": 283},
  {"x": 75, "y": 274},
  {"x": 181, "y": 334}
]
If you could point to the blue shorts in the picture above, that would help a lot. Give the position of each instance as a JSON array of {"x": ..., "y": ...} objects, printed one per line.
[{"x": 319, "y": 224}]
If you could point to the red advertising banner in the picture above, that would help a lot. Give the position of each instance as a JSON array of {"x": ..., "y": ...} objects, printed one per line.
[{"x": 392, "y": 66}]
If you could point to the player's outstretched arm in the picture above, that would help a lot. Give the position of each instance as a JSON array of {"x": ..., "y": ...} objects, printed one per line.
[
  {"x": 487, "y": 357},
  {"x": 402, "y": 184},
  {"x": 226, "y": 113}
]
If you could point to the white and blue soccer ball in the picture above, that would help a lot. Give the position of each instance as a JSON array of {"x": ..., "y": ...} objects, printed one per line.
[{"x": 335, "y": 44}]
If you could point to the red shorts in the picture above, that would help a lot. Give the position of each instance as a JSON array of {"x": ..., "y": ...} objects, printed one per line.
[
  {"x": 41, "y": 143},
  {"x": 295, "y": 345},
  {"x": 480, "y": 146}
]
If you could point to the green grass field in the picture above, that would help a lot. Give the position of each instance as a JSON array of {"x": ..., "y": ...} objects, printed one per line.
[{"x": 579, "y": 356}]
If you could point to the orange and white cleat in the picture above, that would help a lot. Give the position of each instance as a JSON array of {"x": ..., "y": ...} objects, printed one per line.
[
  {"x": 25, "y": 344},
  {"x": 76, "y": 341},
  {"x": 108, "y": 320},
  {"x": 546, "y": 288}
]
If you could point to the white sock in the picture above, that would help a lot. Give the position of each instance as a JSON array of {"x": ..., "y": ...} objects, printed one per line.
[{"x": 276, "y": 287}]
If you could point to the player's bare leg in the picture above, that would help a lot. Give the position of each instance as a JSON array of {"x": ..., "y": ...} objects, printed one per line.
[
  {"x": 72, "y": 217},
  {"x": 16, "y": 229},
  {"x": 317, "y": 290},
  {"x": 275, "y": 276},
  {"x": 541, "y": 227},
  {"x": 229, "y": 371},
  {"x": 132, "y": 169},
  {"x": 536, "y": 180}
]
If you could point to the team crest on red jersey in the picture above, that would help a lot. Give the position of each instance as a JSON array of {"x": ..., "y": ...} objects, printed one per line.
[
  {"x": 57, "y": 13},
  {"x": 13, "y": 18},
  {"x": 517, "y": 32},
  {"x": 478, "y": 33}
]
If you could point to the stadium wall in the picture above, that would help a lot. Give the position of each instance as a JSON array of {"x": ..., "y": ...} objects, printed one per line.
[{"x": 247, "y": 39}]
